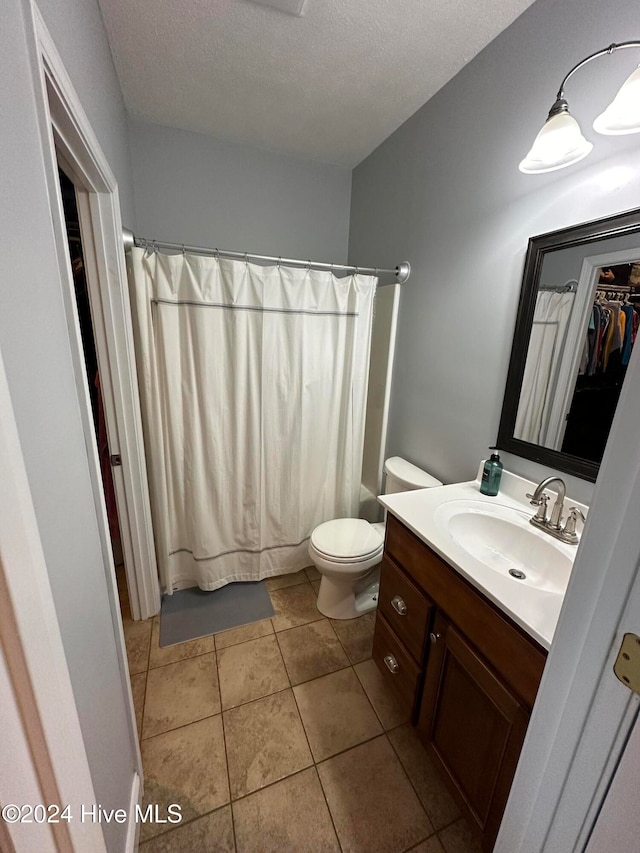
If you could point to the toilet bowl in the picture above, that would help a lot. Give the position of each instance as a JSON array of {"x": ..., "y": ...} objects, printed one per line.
[{"x": 347, "y": 551}]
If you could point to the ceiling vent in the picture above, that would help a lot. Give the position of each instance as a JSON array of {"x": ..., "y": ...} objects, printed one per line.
[{"x": 289, "y": 7}]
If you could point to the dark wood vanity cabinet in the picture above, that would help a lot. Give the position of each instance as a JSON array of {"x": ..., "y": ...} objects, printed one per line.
[{"x": 467, "y": 673}]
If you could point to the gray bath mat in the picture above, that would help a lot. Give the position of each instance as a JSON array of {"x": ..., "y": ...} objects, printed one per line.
[{"x": 192, "y": 613}]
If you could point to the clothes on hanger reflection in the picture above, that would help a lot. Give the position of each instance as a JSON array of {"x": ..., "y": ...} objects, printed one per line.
[{"x": 612, "y": 331}]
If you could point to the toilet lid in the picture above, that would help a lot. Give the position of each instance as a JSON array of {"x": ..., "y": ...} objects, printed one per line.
[{"x": 347, "y": 538}]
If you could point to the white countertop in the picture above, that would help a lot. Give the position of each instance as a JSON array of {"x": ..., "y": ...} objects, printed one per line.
[{"x": 535, "y": 610}]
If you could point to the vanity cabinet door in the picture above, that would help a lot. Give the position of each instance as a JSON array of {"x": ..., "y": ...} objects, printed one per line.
[{"x": 472, "y": 725}]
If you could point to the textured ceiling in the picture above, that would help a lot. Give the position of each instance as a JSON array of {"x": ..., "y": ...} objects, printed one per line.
[{"x": 330, "y": 85}]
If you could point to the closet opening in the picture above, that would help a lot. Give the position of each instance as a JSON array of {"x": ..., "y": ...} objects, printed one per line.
[{"x": 92, "y": 376}]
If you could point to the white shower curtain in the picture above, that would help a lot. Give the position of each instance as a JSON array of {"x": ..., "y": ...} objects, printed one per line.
[
  {"x": 546, "y": 345},
  {"x": 253, "y": 387}
]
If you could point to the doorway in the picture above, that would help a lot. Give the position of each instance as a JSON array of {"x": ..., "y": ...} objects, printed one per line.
[{"x": 92, "y": 376}]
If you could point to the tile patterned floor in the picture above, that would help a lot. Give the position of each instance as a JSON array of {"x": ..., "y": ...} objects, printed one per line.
[{"x": 282, "y": 736}]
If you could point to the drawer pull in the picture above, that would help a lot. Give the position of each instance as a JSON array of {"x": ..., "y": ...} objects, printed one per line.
[
  {"x": 392, "y": 664},
  {"x": 398, "y": 605},
  {"x": 434, "y": 638}
]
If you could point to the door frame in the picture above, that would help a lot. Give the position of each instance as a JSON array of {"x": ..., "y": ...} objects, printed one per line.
[
  {"x": 71, "y": 142},
  {"x": 583, "y": 715}
]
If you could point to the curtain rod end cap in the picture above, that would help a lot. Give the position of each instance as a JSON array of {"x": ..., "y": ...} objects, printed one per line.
[{"x": 403, "y": 271}]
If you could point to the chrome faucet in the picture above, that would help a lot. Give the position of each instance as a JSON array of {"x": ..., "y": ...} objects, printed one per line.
[{"x": 553, "y": 526}]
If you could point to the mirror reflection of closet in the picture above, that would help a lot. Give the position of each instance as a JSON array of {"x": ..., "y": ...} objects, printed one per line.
[
  {"x": 581, "y": 341},
  {"x": 607, "y": 344}
]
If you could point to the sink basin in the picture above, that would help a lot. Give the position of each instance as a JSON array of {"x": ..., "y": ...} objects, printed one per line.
[{"x": 501, "y": 538}]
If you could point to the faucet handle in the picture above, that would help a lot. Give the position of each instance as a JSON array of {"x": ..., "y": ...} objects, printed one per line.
[
  {"x": 542, "y": 503},
  {"x": 533, "y": 500},
  {"x": 569, "y": 530}
]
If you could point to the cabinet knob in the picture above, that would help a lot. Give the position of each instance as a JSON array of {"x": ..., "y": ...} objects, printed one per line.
[
  {"x": 398, "y": 605},
  {"x": 434, "y": 638},
  {"x": 392, "y": 664}
]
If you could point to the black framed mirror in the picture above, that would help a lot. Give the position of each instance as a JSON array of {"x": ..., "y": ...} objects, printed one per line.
[{"x": 575, "y": 329}]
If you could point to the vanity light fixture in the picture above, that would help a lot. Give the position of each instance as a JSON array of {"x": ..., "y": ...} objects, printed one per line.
[{"x": 560, "y": 143}]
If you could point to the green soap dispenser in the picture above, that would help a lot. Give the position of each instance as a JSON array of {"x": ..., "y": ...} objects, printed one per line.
[{"x": 491, "y": 475}]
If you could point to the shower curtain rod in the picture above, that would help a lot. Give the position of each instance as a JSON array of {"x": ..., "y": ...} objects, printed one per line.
[{"x": 401, "y": 272}]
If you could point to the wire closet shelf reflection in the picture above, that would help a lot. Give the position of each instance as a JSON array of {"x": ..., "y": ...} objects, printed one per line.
[{"x": 401, "y": 272}]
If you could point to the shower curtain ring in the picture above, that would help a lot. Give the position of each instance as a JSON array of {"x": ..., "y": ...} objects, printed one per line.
[
  {"x": 308, "y": 266},
  {"x": 357, "y": 270},
  {"x": 246, "y": 260},
  {"x": 216, "y": 254},
  {"x": 279, "y": 261},
  {"x": 183, "y": 251}
]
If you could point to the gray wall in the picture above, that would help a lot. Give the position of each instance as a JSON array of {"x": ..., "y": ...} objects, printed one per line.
[
  {"x": 445, "y": 193},
  {"x": 190, "y": 188},
  {"x": 35, "y": 347}
]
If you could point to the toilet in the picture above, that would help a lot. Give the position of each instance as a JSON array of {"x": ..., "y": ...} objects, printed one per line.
[{"x": 347, "y": 551}]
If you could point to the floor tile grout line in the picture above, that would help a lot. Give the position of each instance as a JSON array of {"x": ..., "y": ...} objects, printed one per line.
[
  {"x": 324, "y": 796},
  {"x": 406, "y": 772},
  {"x": 301, "y": 625},
  {"x": 271, "y": 784},
  {"x": 284, "y": 663},
  {"x": 422, "y": 840},
  {"x": 312, "y": 622},
  {"x": 315, "y": 767},
  {"x": 144, "y": 702},
  {"x": 242, "y": 642},
  {"x": 418, "y": 843},
  {"x": 412, "y": 786},
  {"x": 348, "y": 748},
  {"x": 149, "y": 649},
  {"x": 258, "y": 699},
  {"x": 182, "y": 660},
  {"x": 173, "y": 829},
  {"x": 369, "y": 699},
  {"x": 366, "y": 693},
  {"x": 288, "y": 586},
  {"x": 226, "y": 758},
  {"x": 451, "y": 822},
  {"x": 183, "y": 726}
]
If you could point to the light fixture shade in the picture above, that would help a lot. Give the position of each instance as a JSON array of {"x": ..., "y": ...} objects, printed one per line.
[
  {"x": 623, "y": 113},
  {"x": 560, "y": 143}
]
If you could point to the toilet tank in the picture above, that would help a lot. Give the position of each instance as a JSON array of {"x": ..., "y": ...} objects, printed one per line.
[{"x": 402, "y": 476}]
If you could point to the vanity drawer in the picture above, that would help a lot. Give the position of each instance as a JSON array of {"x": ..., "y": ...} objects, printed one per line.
[
  {"x": 397, "y": 666},
  {"x": 405, "y": 608}
]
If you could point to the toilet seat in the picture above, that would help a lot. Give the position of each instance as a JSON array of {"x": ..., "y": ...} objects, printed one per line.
[{"x": 347, "y": 540}]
